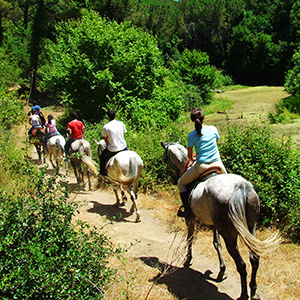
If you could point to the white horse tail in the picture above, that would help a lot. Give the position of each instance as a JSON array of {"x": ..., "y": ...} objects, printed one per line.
[
  {"x": 89, "y": 163},
  {"x": 59, "y": 146},
  {"x": 237, "y": 214}
]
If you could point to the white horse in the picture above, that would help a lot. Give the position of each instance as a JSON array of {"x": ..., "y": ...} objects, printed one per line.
[
  {"x": 229, "y": 204},
  {"x": 56, "y": 150},
  {"x": 80, "y": 152},
  {"x": 124, "y": 170}
]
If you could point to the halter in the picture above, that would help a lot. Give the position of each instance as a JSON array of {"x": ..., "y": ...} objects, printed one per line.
[{"x": 176, "y": 175}]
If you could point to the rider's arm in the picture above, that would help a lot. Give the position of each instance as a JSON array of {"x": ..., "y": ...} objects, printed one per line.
[
  {"x": 106, "y": 140},
  {"x": 190, "y": 153}
]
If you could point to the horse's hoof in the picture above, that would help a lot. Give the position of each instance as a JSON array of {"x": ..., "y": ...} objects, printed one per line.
[
  {"x": 255, "y": 297},
  {"x": 220, "y": 278},
  {"x": 122, "y": 203}
]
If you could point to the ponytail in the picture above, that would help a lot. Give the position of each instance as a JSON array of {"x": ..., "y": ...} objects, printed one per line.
[
  {"x": 197, "y": 116},
  {"x": 50, "y": 117}
]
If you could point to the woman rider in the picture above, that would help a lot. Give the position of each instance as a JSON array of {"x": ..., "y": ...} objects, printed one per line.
[{"x": 204, "y": 139}]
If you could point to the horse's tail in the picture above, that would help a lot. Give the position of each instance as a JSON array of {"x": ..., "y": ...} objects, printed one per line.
[
  {"x": 129, "y": 177},
  {"x": 237, "y": 214},
  {"x": 59, "y": 146},
  {"x": 86, "y": 159},
  {"x": 89, "y": 163}
]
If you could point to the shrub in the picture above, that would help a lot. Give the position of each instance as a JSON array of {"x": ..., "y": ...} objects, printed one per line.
[
  {"x": 194, "y": 69},
  {"x": 95, "y": 63},
  {"x": 43, "y": 254},
  {"x": 272, "y": 166}
]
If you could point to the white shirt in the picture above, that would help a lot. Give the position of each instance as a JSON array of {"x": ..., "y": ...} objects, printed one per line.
[{"x": 114, "y": 131}]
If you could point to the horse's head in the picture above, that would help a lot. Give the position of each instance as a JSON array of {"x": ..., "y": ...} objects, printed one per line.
[
  {"x": 101, "y": 146},
  {"x": 175, "y": 156}
]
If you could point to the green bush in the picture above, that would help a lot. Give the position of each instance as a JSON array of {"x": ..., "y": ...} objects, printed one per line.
[
  {"x": 273, "y": 166},
  {"x": 11, "y": 110},
  {"x": 194, "y": 69},
  {"x": 43, "y": 255},
  {"x": 95, "y": 63}
]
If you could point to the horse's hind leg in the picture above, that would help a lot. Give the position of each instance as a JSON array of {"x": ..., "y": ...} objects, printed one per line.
[
  {"x": 218, "y": 247},
  {"x": 123, "y": 194},
  {"x": 88, "y": 172},
  {"x": 134, "y": 205},
  {"x": 253, "y": 286},
  {"x": 231, "y": 245}
]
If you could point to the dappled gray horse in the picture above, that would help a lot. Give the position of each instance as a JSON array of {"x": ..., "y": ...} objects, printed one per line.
[
  {"x": 56, "y": 150},
  {"x": 80, "y": 152},
  {"x": 124, "y": 170},
  {"x": 229, "y": 204}
]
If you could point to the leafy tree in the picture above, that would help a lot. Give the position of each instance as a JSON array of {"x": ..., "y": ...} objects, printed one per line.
[
  {"x": 194, "y": 69},
  {"x": 96, "y": 63},
  {"x": 292, "y": 79}
]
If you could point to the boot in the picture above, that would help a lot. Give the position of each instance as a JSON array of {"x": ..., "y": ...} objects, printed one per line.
[{"x": 187, "y": 213}]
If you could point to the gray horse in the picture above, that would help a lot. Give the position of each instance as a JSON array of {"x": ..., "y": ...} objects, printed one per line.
[
  {"x": 229, "y": 204},
  {"x": 124, "y": 171},
  {"x": 80, "y": 152}
]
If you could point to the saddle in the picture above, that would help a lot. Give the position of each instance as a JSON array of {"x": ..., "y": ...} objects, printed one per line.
[
  {"x": 208, "y": 173},
  {"x": 37, "y": 132}
]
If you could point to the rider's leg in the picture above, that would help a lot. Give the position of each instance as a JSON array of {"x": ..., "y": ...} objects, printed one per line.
[{"x": 189, "y": 176}]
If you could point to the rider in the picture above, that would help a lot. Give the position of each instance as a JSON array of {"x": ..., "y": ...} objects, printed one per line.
[
  {"x": 39, "y": 112},
  {"x": 113, "y": 134},
  {"x": 75, "y": 130},
  {"x": 204, "y": 139},
  {"x": 50, "y": 129},
  {"x": 34, "y": 121}
]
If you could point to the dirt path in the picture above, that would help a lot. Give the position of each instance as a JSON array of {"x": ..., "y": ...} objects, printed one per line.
[{"x": 153, "y": 248}]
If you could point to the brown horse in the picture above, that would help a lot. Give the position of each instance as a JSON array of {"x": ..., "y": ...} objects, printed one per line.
[
  {"x": 229, "y": 204},
  {"x": 80, "y": 152},
  {"x": 36, "y": 138}
]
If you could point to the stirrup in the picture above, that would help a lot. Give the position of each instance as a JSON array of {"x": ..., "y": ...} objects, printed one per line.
[{"x": 181, "y": 212}]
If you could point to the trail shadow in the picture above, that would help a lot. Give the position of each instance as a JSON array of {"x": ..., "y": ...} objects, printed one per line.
[
  {"x": 183, "y": 282},
  {"x": 111, "y": 211}
]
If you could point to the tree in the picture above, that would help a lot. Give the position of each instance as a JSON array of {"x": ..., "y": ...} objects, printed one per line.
[{"x": 95, "y": 63}]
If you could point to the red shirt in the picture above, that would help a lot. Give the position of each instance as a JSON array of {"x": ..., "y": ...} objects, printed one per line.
[{"x": 76, "y": 127}]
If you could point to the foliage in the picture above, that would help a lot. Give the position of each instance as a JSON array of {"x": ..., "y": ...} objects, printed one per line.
[
  {"x": 96, "y": 63},
  {"x": 287, "y": 109},
  {"x": 292, "y": 78},
  {"x": 11, "y": 112},
  {"x": 43, "y": 254},
  {"x": 272, "y": 166},
  {"x": 194, "y": 69}
]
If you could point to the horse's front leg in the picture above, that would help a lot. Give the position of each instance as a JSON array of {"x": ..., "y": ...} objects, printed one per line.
[
  {"x": 218, "y": 247},
  {"x": 190, "y": 237},
  {"x": 134, "y": 205}
]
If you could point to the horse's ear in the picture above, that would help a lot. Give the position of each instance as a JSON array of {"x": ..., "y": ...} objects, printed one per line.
[
  {"x": 163, "y": 144},
  {"x": 179, "y": 142}
]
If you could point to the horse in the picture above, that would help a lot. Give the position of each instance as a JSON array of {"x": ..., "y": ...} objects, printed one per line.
[
  {"x": 56, "y": 150},
  {"x": 124, "y": 170},
  {"x": 80, "y": 152},
  {"x": 36, "y": 138},
  {"x": 228, "y": 204}
]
